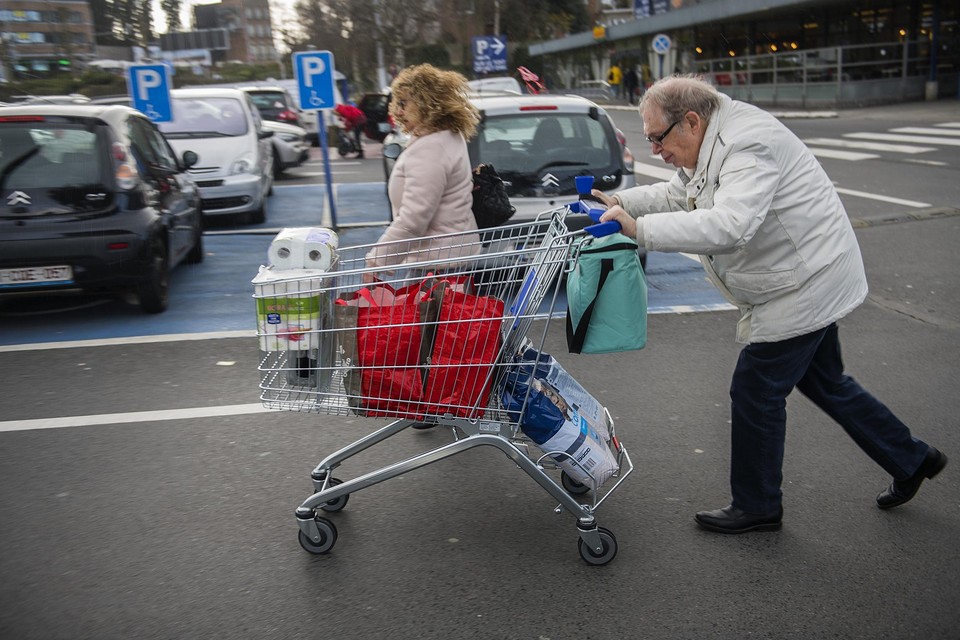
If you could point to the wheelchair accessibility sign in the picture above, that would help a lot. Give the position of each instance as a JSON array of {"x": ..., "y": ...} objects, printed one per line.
[
  {"x": 149, "y": 88},
  {"x": 314, "y": 72}
]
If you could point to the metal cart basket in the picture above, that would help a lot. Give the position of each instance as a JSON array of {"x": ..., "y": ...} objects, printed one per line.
[{"x": 429, "y": 334}]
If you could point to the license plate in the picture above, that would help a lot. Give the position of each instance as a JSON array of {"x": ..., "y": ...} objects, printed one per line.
[{"x": 29, "y": 276}]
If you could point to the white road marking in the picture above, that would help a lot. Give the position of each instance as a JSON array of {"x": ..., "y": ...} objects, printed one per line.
[
  {"x": 893, "y": 137},
  {"x": 927, "y": 131},
  {"x": 173, "y": 337},
  {"x": 932, "y": 163},
  {"x": 842, "y": 155},
  {"x": 870, "y": 146},
  {"x": 875, "y": 196},
  {"x": 661, "y": 172},
  {"x": 132, "y": 417}
]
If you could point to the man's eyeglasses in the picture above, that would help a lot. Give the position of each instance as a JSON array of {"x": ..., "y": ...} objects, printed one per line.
[{"x": 658, "y": 140}]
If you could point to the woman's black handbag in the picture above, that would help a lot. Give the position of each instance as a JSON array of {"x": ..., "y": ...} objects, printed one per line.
[{"x": 491, "y": 206}]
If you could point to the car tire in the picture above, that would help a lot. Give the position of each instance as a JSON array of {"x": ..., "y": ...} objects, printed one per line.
[
  {"x": 277, "y": 168},
  {"x": 195, "y": 255},
  {"x": 154, "y": 288},
  {"x": 258, "y": 215}
]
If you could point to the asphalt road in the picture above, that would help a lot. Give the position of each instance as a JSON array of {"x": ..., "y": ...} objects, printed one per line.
[{"x": 143, "y": 496}]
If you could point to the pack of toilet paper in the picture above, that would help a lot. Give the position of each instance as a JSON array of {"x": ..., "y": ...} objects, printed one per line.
[
  {"x": 292, "y": 308},
  {"x": 304, "y": 248}
]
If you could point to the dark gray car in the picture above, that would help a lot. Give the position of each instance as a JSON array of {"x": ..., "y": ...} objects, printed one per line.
[{"x": 93, "y": 198}]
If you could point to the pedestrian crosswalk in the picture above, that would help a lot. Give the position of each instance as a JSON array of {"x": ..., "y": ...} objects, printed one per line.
[
  {"x": 864, "y": 145},
  {"x": 910, "y": 142}
]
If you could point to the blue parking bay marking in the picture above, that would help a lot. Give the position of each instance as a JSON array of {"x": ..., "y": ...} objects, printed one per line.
[{"x": 215, "y": 297}]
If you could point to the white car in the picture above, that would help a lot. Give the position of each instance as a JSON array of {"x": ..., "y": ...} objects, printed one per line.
[
  {"x": 235, "y": 167},
  {"x": 539, "y": 144},
  {"x": 290, "y": 146}
]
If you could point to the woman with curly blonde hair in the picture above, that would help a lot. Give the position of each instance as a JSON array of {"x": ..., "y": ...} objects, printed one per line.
[{"x": 431, "y": 184}]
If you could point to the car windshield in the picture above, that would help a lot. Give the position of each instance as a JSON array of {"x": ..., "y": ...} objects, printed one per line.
[
  {"x": 205, "y": 117},
  {"x": 539, "y": 153},
  {"x": 46, "y": 154},
  {"x": 269, "y": 100}
]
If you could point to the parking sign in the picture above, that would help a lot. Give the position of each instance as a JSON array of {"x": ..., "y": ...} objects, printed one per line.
[
  {"x": 149, "y": 87},
  {"x": 489, "y": 54},
  {"x": 314, "y": 72}
]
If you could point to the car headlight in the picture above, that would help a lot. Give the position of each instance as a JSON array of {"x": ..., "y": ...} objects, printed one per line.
[
  {"x": 290, "y": 137},
  {"x": 243, "y": 165}
]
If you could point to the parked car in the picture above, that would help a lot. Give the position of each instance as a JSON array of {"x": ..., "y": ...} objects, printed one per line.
[
  {"x": 274, "y": 103},
  {"x": 539, "y": 144},
  {"x": 235, "y": 166},
  {"x": 495, "y": 85},
  {"x": 73, "y": 98},
  {"x": 290, "y": 146},
  {"x": 93, "y": 198}
]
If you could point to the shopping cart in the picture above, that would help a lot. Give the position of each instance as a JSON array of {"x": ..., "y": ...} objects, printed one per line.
[{"x": 433, "y": 341}]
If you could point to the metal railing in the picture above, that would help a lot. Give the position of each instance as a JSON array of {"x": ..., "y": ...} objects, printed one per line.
[{"x": 831, "y": 76}]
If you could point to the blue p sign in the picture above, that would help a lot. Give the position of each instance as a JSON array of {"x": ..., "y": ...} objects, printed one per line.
[
  {"x": 149, "y": 87},
  {"x": 314, "y": 72}
]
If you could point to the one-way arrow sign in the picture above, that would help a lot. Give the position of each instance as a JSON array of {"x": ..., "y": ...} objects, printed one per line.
[{"x": 489, "y": 54}]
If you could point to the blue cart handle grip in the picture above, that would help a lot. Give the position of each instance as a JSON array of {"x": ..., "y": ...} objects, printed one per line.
[
  {"x": 603, "y": 229},
  {"x": 595, "y": 213}
]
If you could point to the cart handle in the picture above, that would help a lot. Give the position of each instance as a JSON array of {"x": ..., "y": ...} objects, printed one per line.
[
  {"x": 603, "y": 228},
  {"x": 596, "y": 230}
]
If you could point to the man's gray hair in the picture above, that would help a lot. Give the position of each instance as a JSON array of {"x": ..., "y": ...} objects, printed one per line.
[{"x": 676, "y": 95}]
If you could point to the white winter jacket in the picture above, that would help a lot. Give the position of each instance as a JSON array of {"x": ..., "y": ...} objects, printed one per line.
[{"x": 766, "y": 221}]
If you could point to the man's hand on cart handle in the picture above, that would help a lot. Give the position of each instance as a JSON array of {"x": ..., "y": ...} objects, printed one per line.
[
  {"x": 600, "y": 196},
  {"x": 627, "y": 223}
]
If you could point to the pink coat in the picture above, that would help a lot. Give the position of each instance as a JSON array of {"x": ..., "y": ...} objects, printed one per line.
[{"x": 430, "y": 190}]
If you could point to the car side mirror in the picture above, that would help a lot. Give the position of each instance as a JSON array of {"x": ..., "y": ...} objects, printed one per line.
[
  {"x": 392, "y": 151},
  {"x": 190, "y": 158},
  {"x": 263, "y": 135}
]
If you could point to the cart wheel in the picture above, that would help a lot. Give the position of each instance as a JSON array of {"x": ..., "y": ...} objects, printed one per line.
[
  {"x": 328, "y": 537},
  {"x": 609, "y": 543},
  {"x": 572, "y": 486},
  {"x": 336, "y": 504}
]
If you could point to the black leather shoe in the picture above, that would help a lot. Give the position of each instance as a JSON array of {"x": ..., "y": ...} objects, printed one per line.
[
  {"x": 901, "y": 491},
  {"x": 733, "y": 520}
]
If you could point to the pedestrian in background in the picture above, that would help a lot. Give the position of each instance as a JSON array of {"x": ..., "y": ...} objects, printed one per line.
[
  {"x": 615, "y": 78},
  {"x": 630, "y": 82},
  {"x": 431, "y": 185},
  {"x": 751, "y": 199},
  {"x": 353, "y": 121}
]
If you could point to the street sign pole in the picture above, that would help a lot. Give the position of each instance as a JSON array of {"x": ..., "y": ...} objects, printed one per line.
[
  {"x": 328, "y": 175},
  {"x": 315, "y": 82}
]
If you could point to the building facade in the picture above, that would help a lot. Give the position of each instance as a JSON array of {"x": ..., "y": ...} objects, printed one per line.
[
  {"x": 41, "y": 38},
  {"x": 906, "y": 44}
]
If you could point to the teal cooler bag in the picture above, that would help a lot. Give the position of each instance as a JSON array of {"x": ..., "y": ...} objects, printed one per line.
[{"x": 607, "y": 297}]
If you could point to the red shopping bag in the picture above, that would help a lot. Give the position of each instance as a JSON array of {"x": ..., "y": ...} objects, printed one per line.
[
  {"x": 465, "y": 347},
  {"x": 386, "y": 350}
]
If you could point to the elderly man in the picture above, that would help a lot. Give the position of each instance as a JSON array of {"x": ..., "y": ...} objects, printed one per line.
[{"x": 773, "y": 236}]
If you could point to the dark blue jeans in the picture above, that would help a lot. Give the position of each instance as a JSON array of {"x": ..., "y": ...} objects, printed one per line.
[{"x": 766, "y": 373}]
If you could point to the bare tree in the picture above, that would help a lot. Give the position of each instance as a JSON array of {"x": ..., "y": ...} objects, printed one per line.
[{"x": 171, "y": 8}]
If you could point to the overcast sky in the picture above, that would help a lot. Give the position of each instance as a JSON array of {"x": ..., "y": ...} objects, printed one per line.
[{"x": 278, "y": 9}]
